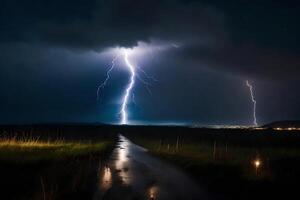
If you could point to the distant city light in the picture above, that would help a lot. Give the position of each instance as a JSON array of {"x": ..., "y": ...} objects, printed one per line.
[{"x": 286, "y": 129}]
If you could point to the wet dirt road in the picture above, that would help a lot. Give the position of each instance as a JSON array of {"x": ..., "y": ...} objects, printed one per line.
[{"x": 132, "y": 173}]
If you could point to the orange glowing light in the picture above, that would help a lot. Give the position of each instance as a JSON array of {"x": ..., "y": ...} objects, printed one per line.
[
  {"x": 106, "y": 179},
  {"x": 153, "y": 193},
  {"x": 257, "y": 163}
]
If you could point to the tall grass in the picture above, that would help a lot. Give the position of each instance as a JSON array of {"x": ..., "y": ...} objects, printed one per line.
[
  {"x": 203, "y": 156},
  {"x": 29, "y": 142},
  {"x": 33, "y": 149}
]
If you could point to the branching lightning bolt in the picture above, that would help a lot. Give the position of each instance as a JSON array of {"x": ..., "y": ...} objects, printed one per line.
[
  {"x": 145, "y": 83},
  {"x": 131, "y": 68},
  {"x": 103, "y": 84},
  {"x": 133, "y": 99},
  {"x": 146, "y": 75},
  {"x": 128, "y": 96},
  {"x": 253, "y": 101}
]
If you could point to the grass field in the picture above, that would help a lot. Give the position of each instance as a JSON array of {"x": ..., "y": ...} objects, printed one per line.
[
  {"x": 32, "y": 149},
  {"x": 49, "y": 164},
  {"x": 238, "y": 167},
  {"x": 243, "y": 157},
  {"x": 223, "y": 161}
]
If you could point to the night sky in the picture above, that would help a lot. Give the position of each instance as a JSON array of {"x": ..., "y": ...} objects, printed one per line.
[{"x": 54, "y": 55}]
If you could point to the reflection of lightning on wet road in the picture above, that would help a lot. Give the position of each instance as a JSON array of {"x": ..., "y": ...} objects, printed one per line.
[{"x": 138, "y": 175}]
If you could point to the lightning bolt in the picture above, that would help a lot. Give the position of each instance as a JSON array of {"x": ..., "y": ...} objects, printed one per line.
[
  {"x": 151, "y": 78},
  {"x": 253, "y": 101},
  {"x": 128, "y": 96},
  {"x": 103, "y": 84},
  {"x": 133, "y": 99},
  {"x": 128, "y": 90},
  {"x": 145, "y": 83}
]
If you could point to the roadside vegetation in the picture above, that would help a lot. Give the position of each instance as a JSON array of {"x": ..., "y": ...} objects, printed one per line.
[
  {"x": 52, "y": 162},
  {"x": 29, "y": 149},
  {"x": 232, "y": 165}
]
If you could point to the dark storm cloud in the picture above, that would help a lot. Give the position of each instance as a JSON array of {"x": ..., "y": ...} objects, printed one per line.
[
  {"x": 246, "y": 60},
  {"x": 99, "y": 24},
  {"x": 50, "y": 67},
  {"x": 257, "y": 39}
]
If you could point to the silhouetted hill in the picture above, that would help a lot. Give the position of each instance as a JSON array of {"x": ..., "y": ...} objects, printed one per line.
[{"x": 284, "y": 124}]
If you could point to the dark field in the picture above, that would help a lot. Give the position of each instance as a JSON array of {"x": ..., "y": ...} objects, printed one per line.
[
  {"x": 231, "y": 163},
  {"x": 51, "y": 162},
  {"x": 63, "y": 162}
]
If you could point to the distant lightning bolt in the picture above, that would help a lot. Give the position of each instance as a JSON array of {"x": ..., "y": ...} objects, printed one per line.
[
  {"x": 103, "y": 84},
  {"x": 131, "y": 68},
  {"x": 253, "y": 101}
]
